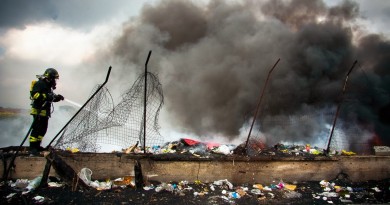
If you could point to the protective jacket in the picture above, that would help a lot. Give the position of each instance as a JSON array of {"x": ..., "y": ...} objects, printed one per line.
[{"x": 42, "y": 96}]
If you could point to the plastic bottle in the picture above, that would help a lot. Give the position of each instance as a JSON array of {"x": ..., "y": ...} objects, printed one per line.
[{"x": 34, "y": 183}]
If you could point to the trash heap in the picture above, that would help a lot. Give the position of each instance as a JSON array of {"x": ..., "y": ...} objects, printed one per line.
[
  {"x": 225, "y": 190},
  {"x": 184, "y": 146},
  {"x": 216, "y": 192},
  {"x": 196, "y": 148}
]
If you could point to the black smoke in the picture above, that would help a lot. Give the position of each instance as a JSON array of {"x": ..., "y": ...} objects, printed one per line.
[{"x": 213, "y": 61}]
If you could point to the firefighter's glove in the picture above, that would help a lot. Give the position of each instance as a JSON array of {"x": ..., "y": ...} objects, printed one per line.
[{"x": 58, "y": 98}]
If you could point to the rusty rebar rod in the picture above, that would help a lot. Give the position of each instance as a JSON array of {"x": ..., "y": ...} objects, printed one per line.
[
  {"x": 259, "y": 102},
  {"x": 338, "y": 107},
  {"x": 145, "y": 98}
]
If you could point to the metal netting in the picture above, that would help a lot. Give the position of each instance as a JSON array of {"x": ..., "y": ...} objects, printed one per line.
[{"x": 100, "y": 123}]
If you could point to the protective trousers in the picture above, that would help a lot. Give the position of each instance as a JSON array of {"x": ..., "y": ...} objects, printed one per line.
[{"x": 39, "y": 128}]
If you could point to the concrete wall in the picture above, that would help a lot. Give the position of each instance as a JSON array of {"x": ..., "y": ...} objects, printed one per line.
[
  {"x": 27, "y": 168},
  {"x": 103, "y": 166},
  {"x": 267, "y": 171},
  {"x": 243, "y": 170}
]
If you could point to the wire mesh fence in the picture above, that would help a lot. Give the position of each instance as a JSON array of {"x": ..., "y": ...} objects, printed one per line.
[{"x": 122, "y": 125}]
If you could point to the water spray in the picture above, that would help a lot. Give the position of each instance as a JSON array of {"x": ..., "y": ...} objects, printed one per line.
[{"x": 72, "y": 102}]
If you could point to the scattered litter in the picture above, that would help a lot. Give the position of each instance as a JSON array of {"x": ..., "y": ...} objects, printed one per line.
[
  {"x": 258, "y": 186},
  {"x": 272, "y": 195},
  {"x": 223, "y": 182},
  {"x": 234, "y": 195},
  {"x": 376, "y": 189},
  {"x": 256, "y": 191},
  {"x": 290, "y": 187},
  {"x": 54, "y": 184},
  {"x": 292, "y": 195},
  {"x": 329, "y": 194},
  {"x": 343, "y": 152},
  {"x": 266, "y": 188},
  {"x": 39, "y": 199},
  {"x": 10, "y": 195},
  {"x": 72, "y": 150},
  {"x": 34, "y": 183}
]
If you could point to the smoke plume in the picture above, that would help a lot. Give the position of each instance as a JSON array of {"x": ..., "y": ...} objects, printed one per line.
[{"x": 213, "y": 60}]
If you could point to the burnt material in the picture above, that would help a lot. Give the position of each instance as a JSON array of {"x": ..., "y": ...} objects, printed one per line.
[
  {"x": 139, "y": 179},
  {"x": 65, "y": 171}
]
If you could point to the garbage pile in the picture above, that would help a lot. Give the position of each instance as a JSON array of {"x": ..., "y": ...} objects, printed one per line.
[
  {"x": 205, "y": 149},
  {"x": 185, "y": 146}
]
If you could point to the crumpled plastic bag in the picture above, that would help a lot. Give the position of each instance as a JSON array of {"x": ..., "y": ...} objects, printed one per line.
[
  {"x": 85, "y": 175},
  {"x": 222, "y": 182},
  {"x": 223, "y": 149},
  {"x": 39, "y": 199}
]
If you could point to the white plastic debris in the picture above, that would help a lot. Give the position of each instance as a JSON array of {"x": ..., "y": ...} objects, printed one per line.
[
  {"x": 39, "y": 199},
  {"x": 85, "y": 175},
  {"x": 54, "y": 184},
  {"x": 267, "y": 188},
  {"x": 223, "y": 149},
  {"x": 10, "y": 195},
  {"x": 224, "y": 181},
  {"x": 147, "y": 188},
  {"x": 329, "y": 194},
  {"x": 256, "y": 191},
  {"x": 376, "y": 189},
  {"x": 272, "y": 195},
  {"x": 20, "y": 183},
  {"x": 34, "y": 183},
  {"x": 292, "y": 195}
]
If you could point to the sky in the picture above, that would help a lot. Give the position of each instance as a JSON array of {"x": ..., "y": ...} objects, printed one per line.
[{"x": 212, "y": 58}]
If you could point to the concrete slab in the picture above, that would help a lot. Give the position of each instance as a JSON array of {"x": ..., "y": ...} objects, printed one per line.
[{"x": 237, "y": 170}]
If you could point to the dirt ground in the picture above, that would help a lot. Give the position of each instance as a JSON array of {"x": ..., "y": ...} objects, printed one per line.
[{"x": 369, "y": 192}]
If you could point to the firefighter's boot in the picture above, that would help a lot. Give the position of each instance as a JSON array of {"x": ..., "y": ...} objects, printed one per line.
[{"x": 34, "y": 146}]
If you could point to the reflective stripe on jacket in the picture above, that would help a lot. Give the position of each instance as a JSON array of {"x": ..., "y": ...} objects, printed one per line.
[{"x": 42, "y": 95}]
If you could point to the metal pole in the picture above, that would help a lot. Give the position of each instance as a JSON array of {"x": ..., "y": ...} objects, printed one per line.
[
  {"x": 146, "y": 72},
  {"x": 338, "y": 107},
  {"x": 82, "y": 107},
  {"x": 259, "y": 102}
]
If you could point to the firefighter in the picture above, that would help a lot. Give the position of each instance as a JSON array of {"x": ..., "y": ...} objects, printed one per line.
[{"x": 42, "y": 96}]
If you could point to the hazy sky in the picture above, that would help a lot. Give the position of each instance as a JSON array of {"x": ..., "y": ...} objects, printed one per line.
[{"x": 194, "y": 43}]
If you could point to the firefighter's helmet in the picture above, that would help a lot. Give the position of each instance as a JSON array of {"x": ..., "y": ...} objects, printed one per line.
[{"x": 51, "y": 74}]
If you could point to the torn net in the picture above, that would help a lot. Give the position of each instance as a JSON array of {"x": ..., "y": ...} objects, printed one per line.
[{"x": 100, "y": 123}]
